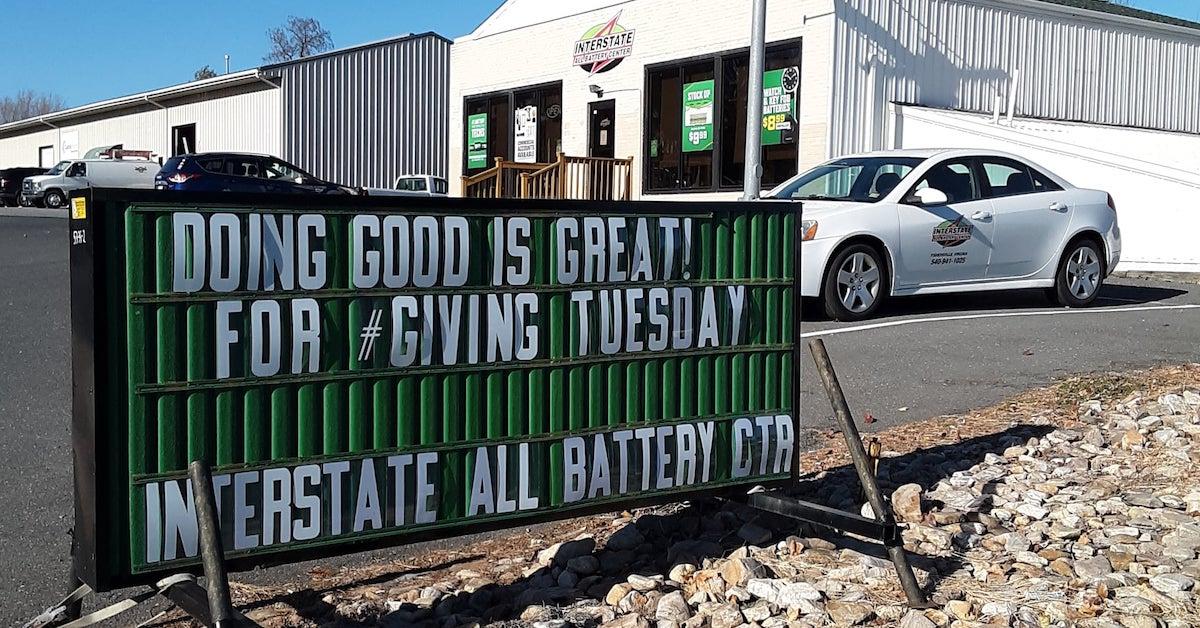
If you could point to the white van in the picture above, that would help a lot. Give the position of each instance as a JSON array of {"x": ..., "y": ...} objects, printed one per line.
[{"x": 51, "y": 189}]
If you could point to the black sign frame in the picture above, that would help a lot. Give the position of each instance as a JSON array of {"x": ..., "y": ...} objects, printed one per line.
[{"x": 93, "y": 213}]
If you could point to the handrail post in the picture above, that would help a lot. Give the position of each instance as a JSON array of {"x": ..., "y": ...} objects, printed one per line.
[
  {"x": 628, "y": 179},
  {"x": 524, "y": 185},
  {"x": 499, "y": 177},
  {"x": 562, "y": 175},
  {"x": 463, "y": 184}
]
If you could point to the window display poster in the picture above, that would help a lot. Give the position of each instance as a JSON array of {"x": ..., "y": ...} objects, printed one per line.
[
  {"x": 780, "y": 89},
  {"x": 698, "y": 116},
  {"x": 477, "y": 156},
  {"x": 525, "y": 125}
]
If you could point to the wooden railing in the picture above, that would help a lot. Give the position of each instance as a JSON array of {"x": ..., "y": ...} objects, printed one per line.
[
  {"x": 586, "y": 178},
  {"x": 499, "y": 181}
]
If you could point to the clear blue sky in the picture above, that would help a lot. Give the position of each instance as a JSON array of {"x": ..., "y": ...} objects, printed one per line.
[{"x": 100, "y": 49}]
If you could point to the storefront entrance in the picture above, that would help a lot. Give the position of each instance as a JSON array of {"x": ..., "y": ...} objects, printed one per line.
[{"x": 602, "y": 128}]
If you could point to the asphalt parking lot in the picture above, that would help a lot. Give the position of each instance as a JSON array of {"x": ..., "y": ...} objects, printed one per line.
[{"x": 923, "y": 357}]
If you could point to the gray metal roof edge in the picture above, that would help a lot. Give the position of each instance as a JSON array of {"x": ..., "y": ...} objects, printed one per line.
[
  {"x": 356, "y": 47},
  {"x": 219, "y": 82},
  {"x": 1124, "y": 11}
]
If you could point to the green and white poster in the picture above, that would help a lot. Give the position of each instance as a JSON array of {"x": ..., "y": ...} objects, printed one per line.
[
  {"x": 698, "y": 116},
  {"x": 780, "y": 89},
  {"x": 477, "y": 150}
]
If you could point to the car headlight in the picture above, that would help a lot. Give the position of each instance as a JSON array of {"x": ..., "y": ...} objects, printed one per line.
[{"x": 808, "y": 229}]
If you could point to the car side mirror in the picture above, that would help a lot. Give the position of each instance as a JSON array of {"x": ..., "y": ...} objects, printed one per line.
[{"x": 928, "y": 196}]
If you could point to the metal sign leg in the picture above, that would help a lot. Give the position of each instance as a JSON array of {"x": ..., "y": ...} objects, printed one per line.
[
  {"x": 862, "y": 464},
  {"x": 211, "y": 553}
]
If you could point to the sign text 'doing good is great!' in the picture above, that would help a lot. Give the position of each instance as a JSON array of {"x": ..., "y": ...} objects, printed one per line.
[{"x": 383, "y": 373}]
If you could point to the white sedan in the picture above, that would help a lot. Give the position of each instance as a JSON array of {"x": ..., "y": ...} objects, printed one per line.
[{"x": 911, "y": 222}]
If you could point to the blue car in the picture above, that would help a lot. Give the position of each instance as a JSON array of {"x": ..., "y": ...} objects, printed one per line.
[{"x": 239, "y": 172}]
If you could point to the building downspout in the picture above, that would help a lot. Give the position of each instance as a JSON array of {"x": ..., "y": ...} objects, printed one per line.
[
  {"x": 279, "y": 151},
  {"x": 57, "y": 140},
  {"x": 166, "y": 119}
]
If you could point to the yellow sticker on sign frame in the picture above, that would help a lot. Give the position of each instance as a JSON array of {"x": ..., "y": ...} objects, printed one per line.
[{"x": 78, "y": 208}]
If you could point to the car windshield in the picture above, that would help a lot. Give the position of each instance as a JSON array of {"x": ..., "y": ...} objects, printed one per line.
[
  {"x": 857, "y": 179},
  {"x": 59, "y": 167}
]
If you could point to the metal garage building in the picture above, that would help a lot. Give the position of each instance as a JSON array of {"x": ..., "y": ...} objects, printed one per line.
[
  {"x": 358, "y": 116},
  {"x": 1079, "y": 74}
]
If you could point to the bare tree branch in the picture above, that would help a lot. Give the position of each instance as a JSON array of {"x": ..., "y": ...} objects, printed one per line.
[
  {"x": 203, "y": 73},
  {"x": 27, "y": 104},
  {"x": 299, "y": 37}
]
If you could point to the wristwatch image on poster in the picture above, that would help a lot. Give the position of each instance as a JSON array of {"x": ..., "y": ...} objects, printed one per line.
[{"x": 780, "y": 89}]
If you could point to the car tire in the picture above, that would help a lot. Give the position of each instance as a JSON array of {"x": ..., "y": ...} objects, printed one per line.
[
  {"x": 1080, "y": 274},
  {"x": 55, "y": 199},
  {"x": 855, "y": 283}
]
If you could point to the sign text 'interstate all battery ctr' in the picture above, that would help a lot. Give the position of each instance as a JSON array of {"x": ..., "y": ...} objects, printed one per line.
[{"x": 282, "y": 505}]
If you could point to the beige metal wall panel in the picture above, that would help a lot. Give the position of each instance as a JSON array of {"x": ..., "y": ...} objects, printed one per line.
[{"x": 1074, "y": 64}]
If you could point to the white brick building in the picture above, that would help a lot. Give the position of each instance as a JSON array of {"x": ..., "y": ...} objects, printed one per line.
[{"x": 873, "y": 74}]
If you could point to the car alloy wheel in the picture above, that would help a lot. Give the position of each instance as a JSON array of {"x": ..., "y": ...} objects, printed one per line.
[
  {"x": 858, "y": 282},
  {"x": 1083, "y": 273}
]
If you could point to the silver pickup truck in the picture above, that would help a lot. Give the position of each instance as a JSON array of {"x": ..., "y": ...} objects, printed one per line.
[{"x": 413, "y": 185}]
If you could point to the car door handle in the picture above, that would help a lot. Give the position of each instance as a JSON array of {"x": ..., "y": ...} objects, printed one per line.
[
  {"x": 1058, "y": 207},
  {"x": 981, "y": 215}
]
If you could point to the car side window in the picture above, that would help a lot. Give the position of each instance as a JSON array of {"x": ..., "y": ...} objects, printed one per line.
[
  {"x": 956, "y": 178},
  {"x": 439, "y": 186},
  {"x": 278, "y": 170},
  {"x": 1006, "y": 178},
  {"x": 1042, "y": 183},
  {"x": 887, "y": 178},
  {"x": 243, "y": 167},
  {"x": 211, "y": 164}
]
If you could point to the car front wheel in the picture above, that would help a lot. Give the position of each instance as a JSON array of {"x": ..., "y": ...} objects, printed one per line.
[
  {"x": 1080, "y": 275},
  {"x": 855, "y": 283},
  {"x": 55, "y": 199}
]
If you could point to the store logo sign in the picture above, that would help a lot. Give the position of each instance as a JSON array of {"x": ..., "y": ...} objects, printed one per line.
[{"x": 603, "y": 46}]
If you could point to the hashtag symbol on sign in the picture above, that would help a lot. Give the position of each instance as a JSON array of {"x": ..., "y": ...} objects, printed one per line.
[{"x": 370, "y": 332}]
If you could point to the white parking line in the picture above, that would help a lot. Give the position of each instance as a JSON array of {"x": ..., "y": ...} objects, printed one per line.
[{"x": 963, "y": 317}]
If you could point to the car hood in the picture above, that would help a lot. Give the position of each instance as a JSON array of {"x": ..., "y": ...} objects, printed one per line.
[{"x": 38, "y": 178}]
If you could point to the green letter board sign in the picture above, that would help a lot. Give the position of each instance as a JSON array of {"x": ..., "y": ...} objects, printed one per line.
[
  {"x": 367, "y": 372},
  {"x": 477, "y": 148},
  {"x": 780, "y": 90},
  {"x": 698, "y": 116}
]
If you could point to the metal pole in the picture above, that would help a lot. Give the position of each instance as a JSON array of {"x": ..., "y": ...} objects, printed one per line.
[
  {"x": 73, "y": 607},
  {"x": 227, "y": 64},
  {"x": 752, "y": 175},
  {"x": 211, "y": 553},
  {"x": 862, "y": 464}
]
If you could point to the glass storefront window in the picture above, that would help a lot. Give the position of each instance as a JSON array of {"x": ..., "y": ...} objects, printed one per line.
[
  {"x": 720, "y": 165},
  {"x": 500, "y": 110},
  {"x": 663, "y": 150}
]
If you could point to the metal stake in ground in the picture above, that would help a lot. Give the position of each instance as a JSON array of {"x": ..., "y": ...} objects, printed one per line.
[
  {"x": 862, "y": 464},
  {"x": 211, "y": 553}
]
